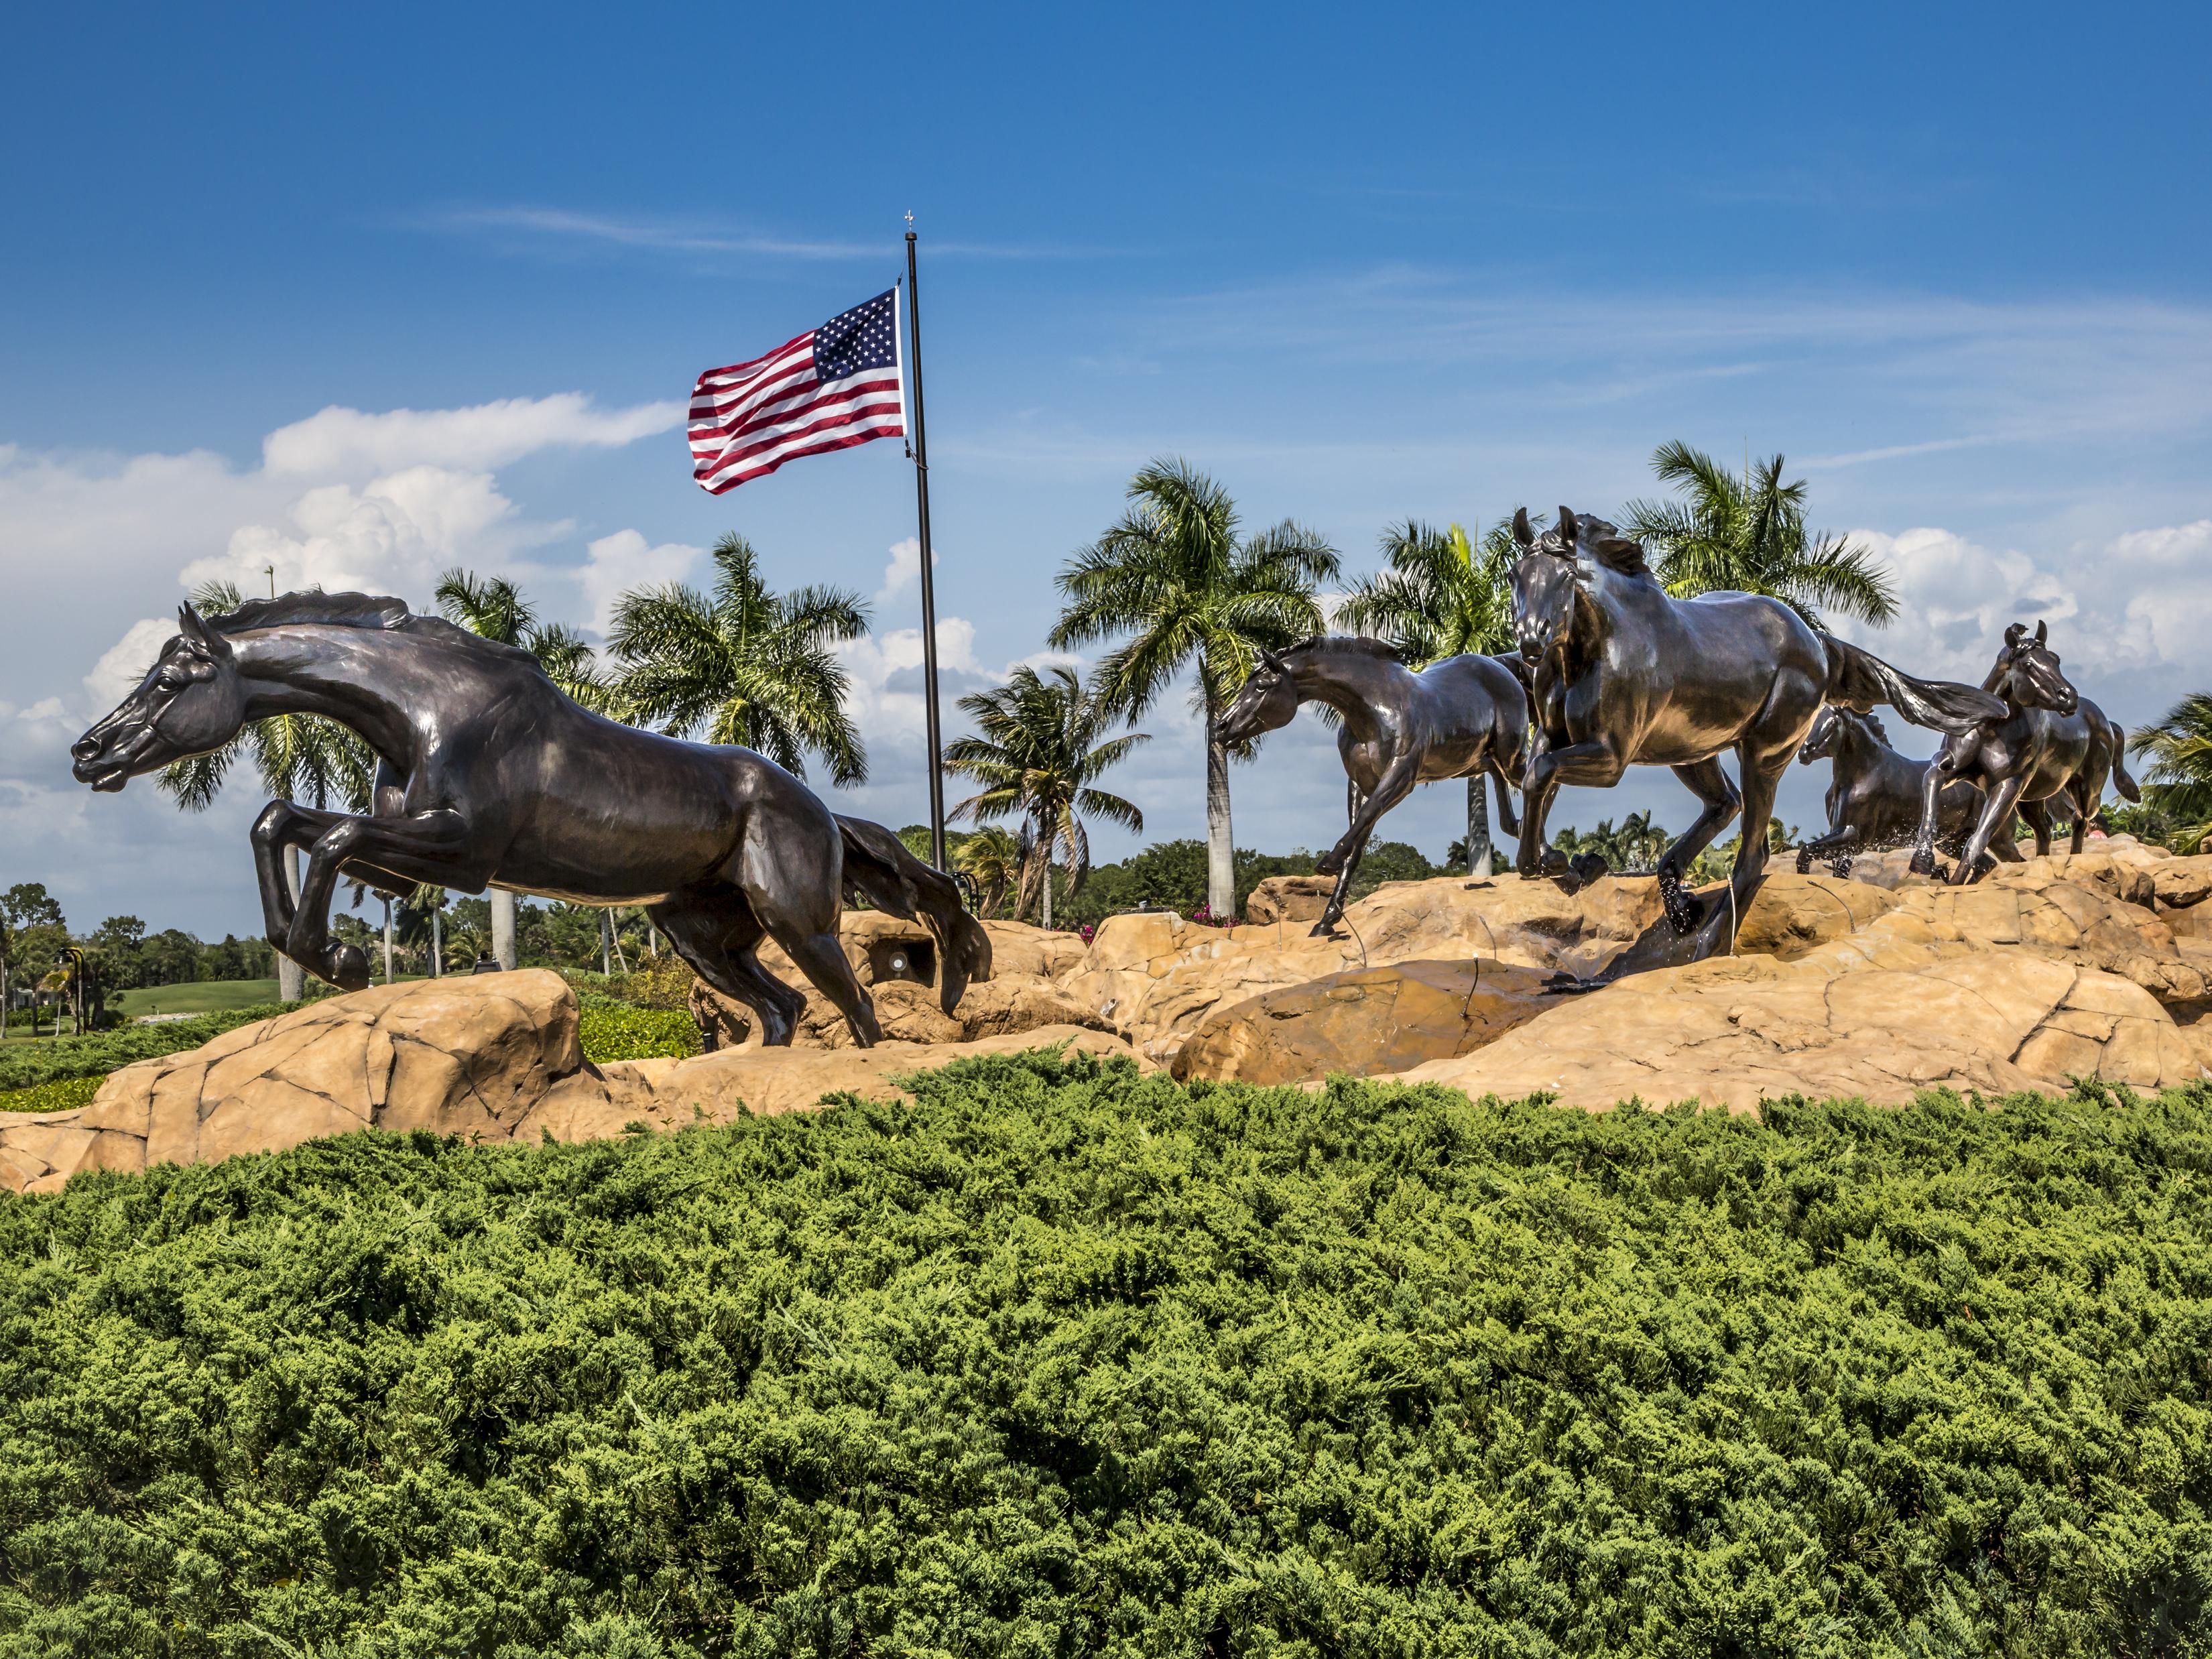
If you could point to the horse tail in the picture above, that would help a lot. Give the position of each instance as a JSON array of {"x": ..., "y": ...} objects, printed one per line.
[
  {"x": 2121, "y": 781},
  {"x": 879, "y": 869},
  {"x": 1860, "y": 680}
]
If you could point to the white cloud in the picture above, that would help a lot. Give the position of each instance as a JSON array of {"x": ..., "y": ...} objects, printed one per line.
[
  {"x": 338, "y": 440},
  {"x": 615, "y": 563},
  {"x": 904, "y": 568},
  {"x": 123, "y": 664}
]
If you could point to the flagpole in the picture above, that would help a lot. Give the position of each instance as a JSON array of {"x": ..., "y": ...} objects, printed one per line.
[{"x": 928, "y": 585}]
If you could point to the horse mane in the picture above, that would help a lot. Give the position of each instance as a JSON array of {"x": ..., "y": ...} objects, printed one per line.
[
  {"x": 1350, "y": 644},
  {"x": 373, "y": 611},
  {"x": 1616, "y": 552}
]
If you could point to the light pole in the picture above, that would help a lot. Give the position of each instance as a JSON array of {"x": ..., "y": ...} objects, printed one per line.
[{"x": 70, "y": 959}]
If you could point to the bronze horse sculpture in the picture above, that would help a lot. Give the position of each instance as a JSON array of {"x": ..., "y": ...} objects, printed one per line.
[
  {"x": 1459, "y": 718},
  {"x": 1625, "y": 674},
  {"x": 2050, "y": 742},
  {"x": 1875, "y": 793},
  {"x": 490, "y": 776}
]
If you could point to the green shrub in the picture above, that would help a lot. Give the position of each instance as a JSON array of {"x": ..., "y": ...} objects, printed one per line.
[
  {"x": 1063, "y": 1360},
  {"x": 23, "y": 1065},
  {"x": 614, "y": 1031},
  {"x": 52, "y": 1097}
]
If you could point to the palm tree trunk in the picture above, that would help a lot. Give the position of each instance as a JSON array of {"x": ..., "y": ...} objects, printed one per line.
[
  {"x": 607, "y": 943},
  {"x": 291, "y": 978},
  {"x": 1044, "y": 855},
  {"x": 437, "y": 943},
  {"x": 388, "y": 941},
  {"x": 503, "y": 928},
  {"x": 1478, "y": 829},
  {"x": 1220, "y": 840}
]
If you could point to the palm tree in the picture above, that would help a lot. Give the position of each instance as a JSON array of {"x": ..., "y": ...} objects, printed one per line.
[
  {"x": 1749, "y": 534},
  {"x": 298, "y": 758},
  {"x": 992, "y": 859},
  {"x": 1038, "y": 759},
  {"x": 1442, "y": 597},
  {"x": 493, "y": 607},
  {"x": 1174, "y": 576},
  {"x": 747, "y": 665},
  {"x": 2178, "y": 783}
]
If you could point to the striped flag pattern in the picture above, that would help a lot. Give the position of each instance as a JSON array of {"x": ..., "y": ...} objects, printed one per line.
[{"x": 832, "y": 387}]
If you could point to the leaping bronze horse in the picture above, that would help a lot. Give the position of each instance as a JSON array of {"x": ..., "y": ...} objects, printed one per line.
[
  {"x": 1625, "y": 674},
  {"x": 1460, "y": 717},
  {"x": 490, "y": 776},
  {"x": 2048, "y": 743}
]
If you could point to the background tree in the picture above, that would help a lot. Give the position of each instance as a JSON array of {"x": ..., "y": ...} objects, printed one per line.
[
  {"x": 1038, "y": 758},
  {"x": 298, "y": 758},
  {"x": 992, "y": 859},
  {"x": 743, "y": 664},
  {"x": 2178, "y": 782},
  {"x": 1174, "y": 577},
  {"x": 1440, "y": 596},
  {"x": 1748, "y": 533},
  {"x": 495, "y": 607}
]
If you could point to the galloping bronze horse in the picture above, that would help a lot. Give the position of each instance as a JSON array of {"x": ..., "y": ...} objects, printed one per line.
[
  {"x": 2048, "y": 743},
  {"x": 490, "y": 776},
  {"x": 1874, "y": 794},
  {"x": 1625, "y": 674},
  {"x": 1460, "y": 717}
]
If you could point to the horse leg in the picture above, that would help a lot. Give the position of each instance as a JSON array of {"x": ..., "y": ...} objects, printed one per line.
[
  {"x": 1932, "y": 784},
  {"x": 717, "y": 933},
  {"x": 1343, "y": 859},
  {"x": 2038, "y": 814},
  {"x": 1509, "y": 821},
  {"x": 426, "y": 846},
  {"x": 2002, "y": 801},
  {"x": 274, "y": 832},
  {"x": 1395, "y": 784},
  {"x": 821, "y": 957},
  {"x": 1593, "y": 765}
]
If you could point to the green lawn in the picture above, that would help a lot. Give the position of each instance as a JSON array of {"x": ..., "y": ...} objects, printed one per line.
[{"x": 205, "y": 998}]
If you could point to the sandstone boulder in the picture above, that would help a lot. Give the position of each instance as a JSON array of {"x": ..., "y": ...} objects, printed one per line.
[
  {"x": 465, "y": 1056},
  {"x": 1734, "y": 1031},
  {"x": 1366, "y": 1021},
  {"x": 1288, "y": 898}
]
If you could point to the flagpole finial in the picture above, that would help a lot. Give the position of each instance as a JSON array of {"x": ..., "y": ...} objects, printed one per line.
[{"x": 909, "y": 224}]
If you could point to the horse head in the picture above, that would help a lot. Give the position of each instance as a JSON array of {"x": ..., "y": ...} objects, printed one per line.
[
  {"x": 192, "y": 700},
  {"x": 1546, "y": 584},
  {"x": 1821, "y": 742},
  {"x": 1267, "y": 702},
  {"x": 2031, "y": 675}
]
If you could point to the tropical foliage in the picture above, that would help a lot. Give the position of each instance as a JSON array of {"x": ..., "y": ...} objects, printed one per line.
[
  {"x": 1038, "y": 755},
  {"x": 1439, "y": 596},
  {"x": 991, "y": 858},
  {"x": 1058, "y": 1360},
  {"x": 493, "y": 607},
  {"x": 1181, "y": 589},
  {"x": 2178, "y": 782},
  {"x": 1749, "y": 534},
  {"x": 741, "y": 664}
]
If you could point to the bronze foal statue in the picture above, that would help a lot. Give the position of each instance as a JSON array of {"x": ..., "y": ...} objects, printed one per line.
[
  {"x": 2048, "y": 743},
  {"x": 1625, "y": 674},
  {"x": 490, "y": 776},
  {"x": 1460, "y": 717},
  {"x": 1874, "y": 795}
]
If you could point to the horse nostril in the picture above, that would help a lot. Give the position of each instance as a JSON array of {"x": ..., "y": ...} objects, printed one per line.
[{"x": 83, "y": 749}]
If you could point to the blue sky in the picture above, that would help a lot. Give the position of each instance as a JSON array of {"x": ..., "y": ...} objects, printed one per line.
[{"x": 1358, "y": 264}]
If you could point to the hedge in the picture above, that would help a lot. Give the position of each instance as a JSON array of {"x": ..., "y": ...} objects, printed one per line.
[
  {"x": 1063, "y": 1360},
  {"x": 52, "y": 1097},
  {"x": 25, "y": 1064},
  {"x": 613, "y": 1030}
]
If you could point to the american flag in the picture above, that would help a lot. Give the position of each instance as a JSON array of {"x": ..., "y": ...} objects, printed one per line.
[{"x": 832, "y": 387}]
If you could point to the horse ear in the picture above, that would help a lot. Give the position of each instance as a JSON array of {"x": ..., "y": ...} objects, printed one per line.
[
  {"x": 1273, "y": 661},
  {"x": 194, "y": 626},
  {"x": 1568, "y": 528},
  {"x": 2042, "y": 633},
  {"x": 1521, "y": 533}
]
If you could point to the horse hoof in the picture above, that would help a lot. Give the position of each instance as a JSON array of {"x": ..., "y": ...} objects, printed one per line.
[
  {"x": 1328, "y": 865},
  {"x": 1325, "y": 928},
  {"x": 1923, "y": 862},
  {"x": 1804, "y": 862},
  {"x": 1841, "y": 869},
  {"x": 346, "y": 966},
  {"x": 1682, "y": 912}
]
